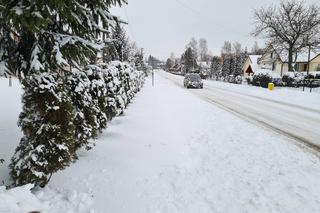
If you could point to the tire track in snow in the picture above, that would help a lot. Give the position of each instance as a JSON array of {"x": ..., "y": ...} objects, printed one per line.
[{"x": 307, "y": 137}]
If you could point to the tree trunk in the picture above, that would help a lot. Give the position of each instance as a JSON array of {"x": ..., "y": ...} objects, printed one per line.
[{"x": 290, "y": 58}]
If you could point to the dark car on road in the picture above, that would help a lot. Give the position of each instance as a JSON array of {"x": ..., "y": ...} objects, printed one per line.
[{"x": 193, "y": 81}]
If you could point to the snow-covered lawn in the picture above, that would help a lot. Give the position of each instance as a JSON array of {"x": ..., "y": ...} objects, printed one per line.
[
  {"x": 174, "y": 152},
  {"x": 283, "y": 94}
]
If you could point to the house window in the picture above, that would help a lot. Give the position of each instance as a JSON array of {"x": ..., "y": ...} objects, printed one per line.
[
  {"x": 318, "y": 67},
  {"x": 271, "y": 55},
  {"x": 305, "y": 67}
]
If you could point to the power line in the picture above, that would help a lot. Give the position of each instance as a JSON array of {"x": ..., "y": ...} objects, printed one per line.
[
  {"x": 202, "y": 16},
  {"x": 189, "y": 8}
]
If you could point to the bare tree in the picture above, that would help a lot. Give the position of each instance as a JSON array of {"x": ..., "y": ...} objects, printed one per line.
[
  {"x": 193, "y": 44},
  {"x": 256, "y": 49},
  {"x": 236, "y": 48},
  {"x": 291, "y": 27},
  {"x": 226, "y": 48},
  {"x": 172, "y": 56},
  {"x": 203, "y": 49}
]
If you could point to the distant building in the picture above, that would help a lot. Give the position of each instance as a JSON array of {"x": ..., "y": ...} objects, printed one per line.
[
  {"x": 251, "y": 65},
  {"x": 277, "y": 62}
]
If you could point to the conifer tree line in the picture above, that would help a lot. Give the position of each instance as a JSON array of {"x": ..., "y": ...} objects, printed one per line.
[
  {"x": 78, "y": 70},
  {"x": 227, "y": 66}
]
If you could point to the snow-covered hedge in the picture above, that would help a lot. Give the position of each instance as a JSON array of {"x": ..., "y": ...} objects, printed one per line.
[
  {"x": 294, "y": 79},
  {"x": 48, "y": 144},
  {"x": 262, "y": 78},
  {"x": 62, "y": 113}
]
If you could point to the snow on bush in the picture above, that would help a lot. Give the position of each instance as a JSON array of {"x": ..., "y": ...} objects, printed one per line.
[
  {"x": 62, "y": 113},
  {"x": 127, "y": 82},
  {"x": 48, "y": 144},
  {"x": 262, "y": 78},
  {"x": 98, "y": 92},
  {"x": 85, "y": 120},
  {"x": 296, "y": 78},
  {"x": 21, "y": 199}
]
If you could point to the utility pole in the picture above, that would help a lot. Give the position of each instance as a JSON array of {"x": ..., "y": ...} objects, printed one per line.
[
  {"x": 152, "y": 73},
  {"x": 10, "y": 81},
  {"x": 308, "y": 70}
]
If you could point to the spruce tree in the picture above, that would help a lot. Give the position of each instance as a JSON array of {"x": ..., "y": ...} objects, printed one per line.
[
  {"x": 169, "y": 63},
  {"x": 226, "y": 65},
  {"x": 216, "y": 66},
  {"x": 51, "y": 37},
  {"x": 139, "y": 61},
  {"x": 118, "y": 49},
  {"x": 189, "y": 60},
  {"x": 58, "y": 33}
]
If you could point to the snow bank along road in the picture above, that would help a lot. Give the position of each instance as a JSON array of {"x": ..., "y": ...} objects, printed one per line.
[
  {"x": 173, "y": 152},
  {"x": 300, "y": 120}
]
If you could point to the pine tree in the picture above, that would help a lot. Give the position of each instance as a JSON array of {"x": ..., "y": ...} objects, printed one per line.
[
  {"x": 118, "y": 49},
  {"x": 169, "y": 63},
  {"x": 51, "y": 37},
  {"x": 139, "y": 61},
  {"x": 7, "y": 50},
  {"x": 48, "y": 144},
  {"x": 189, "y": 60},
  {"x": 216, "y": 66},
  {"x": 226, "y": 65},
  {"x": 51, "y": 34}
]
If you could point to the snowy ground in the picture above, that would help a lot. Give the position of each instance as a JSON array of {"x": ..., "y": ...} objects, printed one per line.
[
  {"x": 292, "y": 113},
  {"x": 175, "y": 152}
]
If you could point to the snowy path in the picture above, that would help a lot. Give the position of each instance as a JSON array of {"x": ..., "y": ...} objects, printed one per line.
[
  {"x": 299, "y": 120},
  {"x": 174, "y": 152}
]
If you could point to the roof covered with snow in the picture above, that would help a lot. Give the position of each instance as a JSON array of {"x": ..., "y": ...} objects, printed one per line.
[
  {"x": 254, "y": 58},
  {"x": 301, "y": 57},
  {"x": 254, "y": 62}
]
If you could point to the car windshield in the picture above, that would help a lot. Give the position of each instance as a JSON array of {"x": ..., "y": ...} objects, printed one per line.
[{"x": 194, "y": 77}]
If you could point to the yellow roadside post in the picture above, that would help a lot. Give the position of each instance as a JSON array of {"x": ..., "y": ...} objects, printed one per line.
[{"x": 270, "y": 86}]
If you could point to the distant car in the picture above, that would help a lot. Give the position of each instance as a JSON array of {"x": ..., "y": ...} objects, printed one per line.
[{"x": 193, "y": 81}]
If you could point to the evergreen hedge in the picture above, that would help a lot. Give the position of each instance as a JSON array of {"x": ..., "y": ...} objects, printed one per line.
[{"x": 61, "y": 114}]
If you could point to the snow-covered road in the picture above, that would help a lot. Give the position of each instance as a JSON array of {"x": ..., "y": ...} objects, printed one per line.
[
  {"x": 298, "y": 120},
  {"x": 174, "y": 152}
]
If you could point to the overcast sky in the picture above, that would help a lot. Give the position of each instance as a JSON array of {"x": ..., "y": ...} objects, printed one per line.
[{"x": 165, "y": 26}]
